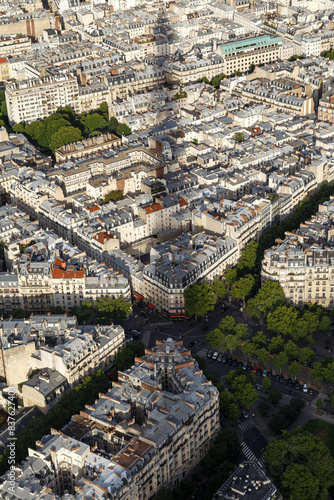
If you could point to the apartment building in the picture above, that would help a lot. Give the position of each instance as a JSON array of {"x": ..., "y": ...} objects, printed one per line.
[
  {"x": 35, "y": 99},
  {"x": 174, "y": 266},
  {"x": 303, "y": 262},
  {"x": 14, "y": 45},
  {"x": 44, "y": 389},
  {"x": 148, "y": 431}
]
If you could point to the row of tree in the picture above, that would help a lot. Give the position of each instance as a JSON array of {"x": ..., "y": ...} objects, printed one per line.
[
  {"x": 65, "y": 127},
  {"x": 103, "y": 311}
]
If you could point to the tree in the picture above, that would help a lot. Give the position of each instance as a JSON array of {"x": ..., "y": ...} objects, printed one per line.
[
  {"x": 65, "y": 135},
  {"x": 248, "y": 348},
  {"x": 294, "y": 368},
  {"x": 259, "y": 339},
  {"x": 219, "y": 289},
  {"x": 328, "y": 372},
  {"x": 280, "y": 360},
  {"x": 298, "y": 482},
  {"x": 112, "y": 124},
  {"x": 113, "y": 196},
  {"x": 239, "y": 137},
  {"x": 244, "y": 391},
  {"x": 248, "y": 257},
  {"x": 230, "y": 276},
  {"x": 243, "y": 287},
  {"x": 94, "y": 121},
  {"x": 324, "y": 324},
  {"x": 103, "y": 109},
  {"x": 266, "y": 383},
  {"x": 268, "y": 298},
  {"x": 230, "y": 342},
  {"x": 125, "y": 357},
  {"x": 264, "y": 408},
  {"x": 282, "y": 320},
  {"x": 276, "y": 344},
  {"x": 275, "y": 396},
  {"x": 263, "y": 356},
  {"x": 123, "y": 130},
  {"x": 278, "y": 423},
  {"x": 199, "y": 299},
  {"x": 291, "y": 350},
  {"x": 317, "y": 372},
  {"x": 215, "y": 338},
  {"x": 241, "y": 331},
  {"x": 306, "y": 355}
]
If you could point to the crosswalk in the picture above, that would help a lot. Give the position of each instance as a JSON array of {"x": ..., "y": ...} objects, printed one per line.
[
  {"x": 250, "y": 455},
  {"x": 246, "y": 424},
  {"x": 162, "y": 323}
]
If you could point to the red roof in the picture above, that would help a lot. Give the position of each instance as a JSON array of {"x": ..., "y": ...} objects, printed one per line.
[
  {"x": 93, "y": 208},
  {"x": 59, "y": 273},
  {"x": 153, "y": 208},
  {"x": 60, "y": 263},
  {"x": 182, "y": 202},
  {"x": 3, "y": 59},
  {"x": 100, "y": 237}
]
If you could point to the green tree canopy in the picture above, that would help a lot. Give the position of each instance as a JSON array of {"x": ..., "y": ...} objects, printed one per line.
[
  {"x": 243, "y": 287},
  {"x": 248, "y": 259},
  {"x": 65, "y": 135},
  {"x": 238, "y": 137},
  {"x": 123, "y": 130},
  {"x": 94, "y": 121},
  {"x": 230, "y": 276},
  {"x": 125, "y": 357},
  {"x": 199, "y": 299},
  {"x": 113, "y": 196},
  {"x": 219, "y": 289},
  {"x": 282, "y": 320},
  {"x": 267, "y": 299}
]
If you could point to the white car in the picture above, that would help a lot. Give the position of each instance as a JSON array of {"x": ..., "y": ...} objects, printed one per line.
[
  {"x": 305, "y": 389},
  {"x": 215, "y": 355},
  {"x": 264, "y": 373}
]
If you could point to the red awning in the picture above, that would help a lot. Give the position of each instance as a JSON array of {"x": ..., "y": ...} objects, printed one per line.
[
  {"x": 151, "y": 306},
  {"x": 184, "y": 316},
  {"x": 138, "y": 296}
]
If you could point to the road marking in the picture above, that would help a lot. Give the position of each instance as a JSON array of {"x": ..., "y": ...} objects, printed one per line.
[{"x": 247, "y": 424}]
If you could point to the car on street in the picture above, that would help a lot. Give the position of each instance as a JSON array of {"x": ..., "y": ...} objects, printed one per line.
[
  {"x": 259, "y": 372},
  {"x": 277, "y": 377},
  {"x": 244, "y": 413},
  {"x": 215, "y": 356},
  {"x": 249, "y": 368},
  {"x": 220, "y": 357},
  {"x": 240, "y": 364},
  {"x": 290, "y": 383},
  {"x": 209, "y": 355},
  {"x": 305, "y": 389},
  {"x": 235, "y": 363},
  {"x": 255, "y": 370},
  {"x": 282, "y": 379},
  {"x": 310, "y": 391},
  {"x": 229, "y": 361},
  {"x": 297, "y": 386},
  {"x": 224, "y": 360},
  {"x": 244, "y": 367},
  {"x": 270, "y": 374},
  {"x": 264, "y": 373},
  {"x": 192, "y": 343}
]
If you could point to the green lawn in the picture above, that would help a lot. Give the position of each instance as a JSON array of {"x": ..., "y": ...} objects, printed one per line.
[{"x": 322, "y": 430}]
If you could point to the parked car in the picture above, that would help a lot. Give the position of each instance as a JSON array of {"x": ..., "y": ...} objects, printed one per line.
[
  {"x": 270, "y": 374},
  {"x": 240, "y": 364},
  {"x": 255, "y": 370},
  {"x": 229, "y": 361},
  {"x": 282, "y": 379},
  {"x": 305, "y": 389},
  {"x": 244, "y": 413},
  {"x": 290, "y": 383},
  {"x": 192, "y": 343},
  {"x": 244, "y": 367},
  {"x": 259, "y": 372},
  {"x": 224, "y": 360},
  {"x": 235, "y": 363},
  {"x": 209, "y": 355},
  {"x": 297, "y": 386},
  {"x": 249, "y": 368},
  {"x": 277, "y": 377},
  {"x": 264, "y": 373},
  {"x": 220, "y": 357},
  {"x": 215, "y": 356},
  {"x": 310, "y": 391}
]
